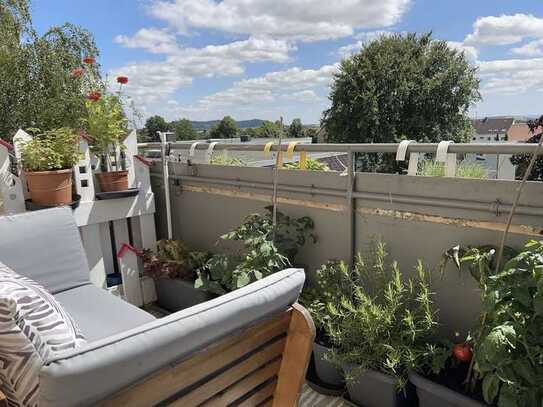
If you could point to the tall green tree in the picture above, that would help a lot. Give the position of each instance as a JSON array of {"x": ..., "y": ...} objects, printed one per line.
[
  {"x": 36, "y": 82},
  {"x": 183, "y": 130},
  {"x": 269, "y": 129},
  {"x": 155, "y": 124},
  {"x": 295, "y": 129},
  {"x": 226, "y": 128},
  {"x": 401, "y": 87}
]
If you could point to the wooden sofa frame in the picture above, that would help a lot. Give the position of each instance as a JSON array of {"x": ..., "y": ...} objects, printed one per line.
[{"x": 263, "y": 365}]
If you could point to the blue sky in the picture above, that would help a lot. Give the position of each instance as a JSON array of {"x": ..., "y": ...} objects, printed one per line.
[{"x": 203, "y": 59}]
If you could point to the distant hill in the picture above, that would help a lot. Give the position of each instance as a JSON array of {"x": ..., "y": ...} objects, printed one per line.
[{"x": 242, "y": 124}]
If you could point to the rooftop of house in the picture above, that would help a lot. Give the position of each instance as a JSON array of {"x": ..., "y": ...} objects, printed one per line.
[
  {"x": 492, "y": 125},
  {"x": 520, "y": 132}
]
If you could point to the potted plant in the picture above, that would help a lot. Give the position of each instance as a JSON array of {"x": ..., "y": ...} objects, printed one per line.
[
  {"x": 173, "y": 267},
  {"x": 106, "y": 125},
  {"x": 266, "y": 250},
  {"x": 329, "y": 285},
  {"x": 47, "y": 161},
  {"x": 505, "y": 368},
  {"x": 385, "y": 328}
]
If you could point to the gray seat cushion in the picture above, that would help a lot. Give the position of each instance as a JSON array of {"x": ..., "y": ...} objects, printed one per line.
[
  {"x": 91, "y": 373},
  {"x": 46, "y": 247},
  {"x": 100, "y": 314}
]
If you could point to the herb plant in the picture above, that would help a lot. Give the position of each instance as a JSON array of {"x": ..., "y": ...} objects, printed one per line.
[
  {"x": 267, "y": 249},
  {"x": 106, "y": 123},
  {"x": 330, "y": 284},
  {"x": 51, "y": 150},
  {"x": 172, "y": 259},
  {"x": 389, "y": 322},
  {"x": 311, "y": 164},
  {"x": 465, "y": 169}
]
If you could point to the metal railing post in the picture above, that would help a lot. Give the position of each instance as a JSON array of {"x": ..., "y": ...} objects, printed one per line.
[
  {"x": 351, "y": 207},
  {"x": 166, "y": 180}
]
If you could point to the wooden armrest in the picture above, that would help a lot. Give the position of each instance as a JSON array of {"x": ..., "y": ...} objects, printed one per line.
[{"x": 265, "y": 364}]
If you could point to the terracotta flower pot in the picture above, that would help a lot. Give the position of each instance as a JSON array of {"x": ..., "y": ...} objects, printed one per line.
[
  {"x": 50, "y": 187},
  {"x": 113, "y": 181}
]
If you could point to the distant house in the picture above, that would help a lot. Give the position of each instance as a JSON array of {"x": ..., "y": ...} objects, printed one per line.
[
  {"x": 520, "y": 133},
  {"x": 491, "y": 129},
  {"x": 494, "y": 130}
]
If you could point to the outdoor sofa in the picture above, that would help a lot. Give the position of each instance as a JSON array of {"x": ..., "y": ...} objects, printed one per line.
[{"x": 249, "y": 346}]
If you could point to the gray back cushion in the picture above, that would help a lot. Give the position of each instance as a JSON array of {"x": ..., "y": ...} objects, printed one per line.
[{"x": 46, "y": 247}]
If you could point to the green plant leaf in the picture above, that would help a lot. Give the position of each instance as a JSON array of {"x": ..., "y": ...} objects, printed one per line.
[
  {"x": 523, "y": 368},
  {"x": 508, "y": 397},
  {"x": 491, "y": 386}
]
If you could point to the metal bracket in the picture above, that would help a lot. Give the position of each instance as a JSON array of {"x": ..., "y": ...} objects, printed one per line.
[
  {"x": 209, "y": 152},
  {"x": 401, "y": 154},
  {"x": 443, "y": 155}
]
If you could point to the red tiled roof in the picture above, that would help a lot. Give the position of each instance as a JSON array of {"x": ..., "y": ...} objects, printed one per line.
[{"x": 520, "y": 132}]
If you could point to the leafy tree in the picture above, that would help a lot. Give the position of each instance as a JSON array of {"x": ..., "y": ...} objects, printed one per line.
[
  {"x": 38, "y": 89},
  {"x": 155, "y": 124},
  {"x": 522, "y": 160},
  {"x": 268, "y": 129},
  {"x": 310, "y": 132},
  {"x": 401, "y": 87},
  {"x": 183, "y": 130},
  {"x": 226, "y": 128},
  {"x": 295, "y": 129}
]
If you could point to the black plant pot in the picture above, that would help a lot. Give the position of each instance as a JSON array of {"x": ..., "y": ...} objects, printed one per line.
[
  {"x": 328, "y": 374},
  {"x": 174, "y": 294},
  {"x": 370, "y": 388},
  {"x": 432, "y": 394}
]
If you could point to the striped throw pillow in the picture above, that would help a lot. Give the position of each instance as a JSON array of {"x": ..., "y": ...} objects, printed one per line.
[{"x": 33, "y": 329}]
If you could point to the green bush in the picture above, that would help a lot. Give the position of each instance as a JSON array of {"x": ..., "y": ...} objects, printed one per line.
[
  {"x": 173, "y": 259},
  {"x": 331, "y": 282},
  {"x": 464, "y": 169},
  {"x": 267, "y": 249},
  {"x": 223, "y": 159},
  {"x": 388, "y": 323},
  {"x": 311, "y": 164},
  {"x": 51, "y": 150},
  {"x": 508, "y": 349}
]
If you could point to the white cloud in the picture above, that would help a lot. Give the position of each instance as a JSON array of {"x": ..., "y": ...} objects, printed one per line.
[
  {"x": 294, "y": 84},
  {"x": 512, "y": 76},
  {"x": 305, "y": 96},
  {"x": 350, "y": 49},
  {"x": 505, "y": 29},
  {"x": 269, "y": 96},
  {"x": 363, "y": 38},
  {"x": 531, "y": 49},
  {"x": 470, "y": 52},
  {"x": 292, "y": 19},
  {"x": 152, "y": 80},
  {"x": 153, "y": 40}
]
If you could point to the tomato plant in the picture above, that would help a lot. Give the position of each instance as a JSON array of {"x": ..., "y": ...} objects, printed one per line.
[{"x": 462, "y": 352}]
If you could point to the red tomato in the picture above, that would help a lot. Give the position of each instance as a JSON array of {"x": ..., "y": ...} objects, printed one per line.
[{"x": 462, "y": 352}]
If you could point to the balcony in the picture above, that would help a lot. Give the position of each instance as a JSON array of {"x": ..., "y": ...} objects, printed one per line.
[{"x": 196, "y": 202}]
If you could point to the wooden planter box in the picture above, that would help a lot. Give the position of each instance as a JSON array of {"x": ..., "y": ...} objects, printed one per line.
[{"x": 174, "y": 294}]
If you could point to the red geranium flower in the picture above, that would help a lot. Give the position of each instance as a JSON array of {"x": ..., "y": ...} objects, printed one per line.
[
  {"x": 94, "y": 95},
  {"x": 77, "y": 72},
  {"x": 123, "y": 80},
  {"x": 89, "y": 60}
]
